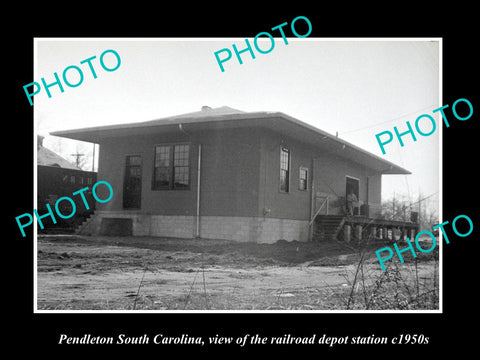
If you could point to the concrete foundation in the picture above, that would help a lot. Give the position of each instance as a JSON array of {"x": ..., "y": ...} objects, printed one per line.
[{"x": 243, "y": 229}]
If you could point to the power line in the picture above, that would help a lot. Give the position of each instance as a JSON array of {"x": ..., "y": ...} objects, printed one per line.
[
  {"x": 429, "y": 196},
  {"x": 426, "y": 197},
  {"x": 388, "y": 121}
]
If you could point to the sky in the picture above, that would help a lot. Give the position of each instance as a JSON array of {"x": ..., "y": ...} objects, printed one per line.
[{"x": 356, "y": 87}]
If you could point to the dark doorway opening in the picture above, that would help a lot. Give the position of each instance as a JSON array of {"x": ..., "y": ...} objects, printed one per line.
[
  {"x": 352, "y": 203},
  {"x": 132, "y": 184}
]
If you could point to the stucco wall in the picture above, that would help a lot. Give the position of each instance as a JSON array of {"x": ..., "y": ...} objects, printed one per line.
[
  {"x": 329, "y": 173},
  {"x": 111, "y": 167},
  {"x": 229, "y": 181},
  {"x": 239, "y": 175},
  {"x": 296, "y": 203},
  {"x": 375, "y": 195},
  {"x": 229, "y": 173}
]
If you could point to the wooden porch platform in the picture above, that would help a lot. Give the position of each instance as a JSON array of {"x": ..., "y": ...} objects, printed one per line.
[{"x": 342, "y": 227}]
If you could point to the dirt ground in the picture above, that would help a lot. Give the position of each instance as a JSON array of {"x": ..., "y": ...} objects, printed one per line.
[{"x": 142, "y": 273}]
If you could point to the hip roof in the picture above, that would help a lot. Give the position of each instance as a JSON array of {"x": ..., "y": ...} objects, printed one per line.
[{"x": 227, "y": 117}]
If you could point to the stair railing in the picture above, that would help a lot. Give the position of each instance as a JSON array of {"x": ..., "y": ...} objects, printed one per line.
[{"x": 318, "y": 211}]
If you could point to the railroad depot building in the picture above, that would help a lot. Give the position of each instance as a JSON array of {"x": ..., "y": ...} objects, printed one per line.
[{"x": 222, "y": 173}]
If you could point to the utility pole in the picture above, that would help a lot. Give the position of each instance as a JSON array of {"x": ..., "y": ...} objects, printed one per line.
[
  {"x": 393, "y": 206},
  {"x": 419, "y": 209},
  {"x": 77, "y": 159}
]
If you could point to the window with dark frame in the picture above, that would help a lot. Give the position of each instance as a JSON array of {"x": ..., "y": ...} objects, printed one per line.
[
  {"x": 162, "y": 177},
  {"x": 303, "y": 179},
  {"x": 172, "y": 167},
  {"x": 181, "y": 167},
  {"x": 284, "y": 169}
]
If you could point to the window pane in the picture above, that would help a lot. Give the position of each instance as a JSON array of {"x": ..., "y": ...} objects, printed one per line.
[
  {"x": 181, "y": 155},
  {"x": 303, "y": 184},
  {"x": 172, "y": 166},
  {"x": 284, "y": 180},
  {"x": 284, "y": 159},
  {"x": 303, "y": 179},
  {"x": 162, "y": 156},
  {"x": 162, "y": 177},
  {"x": 134, "y": 172},
  {"x": 133, "y": 160},
  {"x": 181, "y": 177},
  {"x": 284, "y": 168},
  {"x": 181, "y": 166}
]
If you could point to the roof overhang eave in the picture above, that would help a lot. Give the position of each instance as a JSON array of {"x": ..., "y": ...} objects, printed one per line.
[{"x": 287, "y": 124}]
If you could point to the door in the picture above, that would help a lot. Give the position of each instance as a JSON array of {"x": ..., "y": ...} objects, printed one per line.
[
  {"x": 132, "y": 183},
  {"x": 352, "y": 187}
]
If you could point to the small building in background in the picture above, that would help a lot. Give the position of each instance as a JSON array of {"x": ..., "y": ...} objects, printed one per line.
[{"x": 57, "y": 177}]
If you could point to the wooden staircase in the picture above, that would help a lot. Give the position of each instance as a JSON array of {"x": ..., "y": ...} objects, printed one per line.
[{"x": 327, "y": 227}]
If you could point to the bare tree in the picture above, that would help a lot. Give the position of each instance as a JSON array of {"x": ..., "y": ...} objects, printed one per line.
[
  {"x": 424, "y": 209},
  {"x": 397, "y": 209}
]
